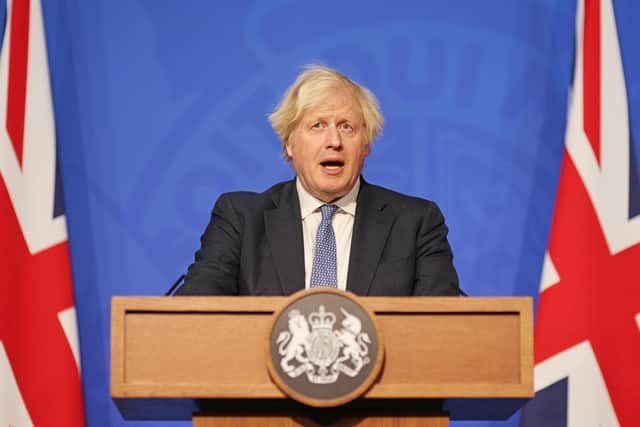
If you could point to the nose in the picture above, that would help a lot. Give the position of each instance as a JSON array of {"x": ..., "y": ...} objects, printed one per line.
[{"x": 334, "y": 139}]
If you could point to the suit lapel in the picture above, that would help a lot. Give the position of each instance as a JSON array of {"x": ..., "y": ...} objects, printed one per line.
[
  {"x": 283, "y": 227},
  {"x": 370, "y": 230}
]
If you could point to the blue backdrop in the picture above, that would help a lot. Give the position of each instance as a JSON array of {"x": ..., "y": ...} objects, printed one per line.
[{"x": 161, "y": 106}]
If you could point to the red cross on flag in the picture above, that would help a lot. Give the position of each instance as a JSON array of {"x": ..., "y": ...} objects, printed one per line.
[
  {"x": 587, "y": 336},
  {"x": 39, "y": 357}
]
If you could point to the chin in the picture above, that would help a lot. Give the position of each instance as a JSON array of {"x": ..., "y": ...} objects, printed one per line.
[{"x": 334, "y": 194}]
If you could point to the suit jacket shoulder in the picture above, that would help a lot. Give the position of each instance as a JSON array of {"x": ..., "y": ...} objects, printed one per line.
[
  {"x": 399, "y": 246},
  {"x": 251, "y": 246}
]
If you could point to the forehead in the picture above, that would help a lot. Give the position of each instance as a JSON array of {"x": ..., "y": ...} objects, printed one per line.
[{"x": 336, "y": 103}]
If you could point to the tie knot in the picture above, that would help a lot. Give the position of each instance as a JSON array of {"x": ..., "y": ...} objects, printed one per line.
[{"x": 328, "y": 211}]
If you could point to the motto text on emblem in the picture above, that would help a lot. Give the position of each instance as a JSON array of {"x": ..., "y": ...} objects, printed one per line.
[{"x": 312, "y": 346}]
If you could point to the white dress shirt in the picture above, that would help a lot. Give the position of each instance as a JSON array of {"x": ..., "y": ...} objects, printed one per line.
[{"x": 342, "y": 222}]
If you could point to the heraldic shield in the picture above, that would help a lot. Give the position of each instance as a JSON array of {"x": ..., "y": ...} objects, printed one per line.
[{"x": 324, "y": 348}]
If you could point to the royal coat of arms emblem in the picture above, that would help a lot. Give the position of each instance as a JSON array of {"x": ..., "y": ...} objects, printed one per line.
[
  {"x": 324, "y": 347},
  {"x": 313, "y": 347}
]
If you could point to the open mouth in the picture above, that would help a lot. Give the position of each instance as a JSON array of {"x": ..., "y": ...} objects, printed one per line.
[{"x": 332, "y": 164}]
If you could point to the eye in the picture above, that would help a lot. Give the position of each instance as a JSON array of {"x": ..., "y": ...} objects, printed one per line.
[
  {"x": 346, "y": 127},
  {"x": 317, "y": 125}
]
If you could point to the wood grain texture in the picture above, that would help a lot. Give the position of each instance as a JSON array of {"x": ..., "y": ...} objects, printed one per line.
[
  {"x": 285, "y": 421},
  {"x": 212, "y": 347}
]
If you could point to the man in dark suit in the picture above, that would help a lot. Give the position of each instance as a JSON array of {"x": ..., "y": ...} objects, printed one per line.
[{"x": 328, "y": 226}]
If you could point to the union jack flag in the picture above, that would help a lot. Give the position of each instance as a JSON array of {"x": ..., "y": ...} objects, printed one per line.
[
  {"x": 587, "y": 337},
  {"x": 39, "y": 356}
]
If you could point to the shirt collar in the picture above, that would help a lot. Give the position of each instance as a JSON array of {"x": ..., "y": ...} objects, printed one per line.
[{"x": 309, "y": 204}]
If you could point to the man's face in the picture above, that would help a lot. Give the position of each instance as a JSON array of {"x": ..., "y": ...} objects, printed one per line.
[{"x": 328, "y": 147}]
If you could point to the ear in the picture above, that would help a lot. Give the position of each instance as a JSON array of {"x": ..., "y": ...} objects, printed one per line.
[
  {"x": 367, "y": 149},
  {"x": 288, "y": 146}
]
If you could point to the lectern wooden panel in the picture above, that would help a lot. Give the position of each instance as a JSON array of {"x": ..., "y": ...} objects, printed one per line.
[{"x": 474, "y": 354}]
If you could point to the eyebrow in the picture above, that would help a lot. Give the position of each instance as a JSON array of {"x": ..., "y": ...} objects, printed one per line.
[{"x": 314, "y": 118}]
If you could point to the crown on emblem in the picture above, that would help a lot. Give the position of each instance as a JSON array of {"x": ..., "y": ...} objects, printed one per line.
[{"x": 321, "y": 319}]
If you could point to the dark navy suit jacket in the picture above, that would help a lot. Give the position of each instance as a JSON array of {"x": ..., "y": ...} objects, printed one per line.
[{"x": 253, "y": 245}]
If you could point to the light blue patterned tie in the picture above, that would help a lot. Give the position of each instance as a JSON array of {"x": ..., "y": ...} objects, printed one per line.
[{"x": 324, "y": 271}]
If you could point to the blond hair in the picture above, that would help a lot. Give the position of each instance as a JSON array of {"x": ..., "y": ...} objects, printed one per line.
[{"x": 313, "y": 86}]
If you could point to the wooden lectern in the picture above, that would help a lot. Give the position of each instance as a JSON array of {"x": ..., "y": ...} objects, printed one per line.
[{"x": 203, "y": 357}]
